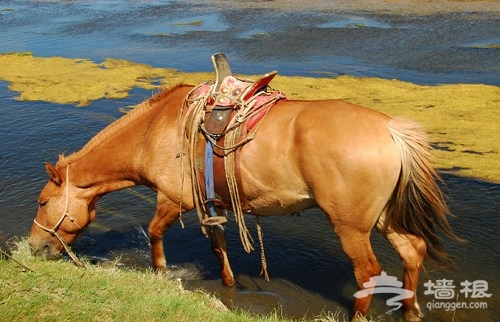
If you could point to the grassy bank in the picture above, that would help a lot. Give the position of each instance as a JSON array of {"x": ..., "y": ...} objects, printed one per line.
[
  {"x": 33, "y": 289},
  {"x": 60, "y": 291}
]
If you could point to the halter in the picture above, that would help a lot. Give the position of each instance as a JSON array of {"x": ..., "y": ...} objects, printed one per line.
[{"x": 53, "y": 230}]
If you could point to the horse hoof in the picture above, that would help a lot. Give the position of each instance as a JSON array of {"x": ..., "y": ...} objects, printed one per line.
[
  {"x": 228, "y": 281},
  {"x": 414, "y": 317}
]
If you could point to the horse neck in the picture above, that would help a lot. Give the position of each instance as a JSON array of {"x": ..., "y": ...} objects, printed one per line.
[
  {"x": 118, "y": 157},
  {"x": 107, "y": 168}
]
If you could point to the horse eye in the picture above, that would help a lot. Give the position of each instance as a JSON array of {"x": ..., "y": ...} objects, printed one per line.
[{"x": 42, "y": 203}]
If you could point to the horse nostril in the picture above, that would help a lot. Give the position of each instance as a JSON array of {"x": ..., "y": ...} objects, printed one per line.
[{"x": 38, "y": 249}]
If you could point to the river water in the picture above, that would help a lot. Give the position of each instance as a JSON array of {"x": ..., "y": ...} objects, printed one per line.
[{"x": 309, "y": 272}]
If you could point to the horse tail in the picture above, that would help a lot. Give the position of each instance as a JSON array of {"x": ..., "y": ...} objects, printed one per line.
[{"x": 417, "y": 205}]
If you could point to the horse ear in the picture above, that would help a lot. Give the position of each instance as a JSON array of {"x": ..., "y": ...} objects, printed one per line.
[{"x": 53, "y": 174}]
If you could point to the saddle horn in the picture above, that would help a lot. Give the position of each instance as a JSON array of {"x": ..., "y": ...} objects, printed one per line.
[{"x": 222, "y": 69}]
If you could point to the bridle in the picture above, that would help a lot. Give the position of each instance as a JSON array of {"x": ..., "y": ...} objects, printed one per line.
[{"x": 53, "y": 230}]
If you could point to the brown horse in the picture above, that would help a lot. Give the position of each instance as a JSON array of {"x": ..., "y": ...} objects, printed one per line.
[{"x": 362, "y": 168}]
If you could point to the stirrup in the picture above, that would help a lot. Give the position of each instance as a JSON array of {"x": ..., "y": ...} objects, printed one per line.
[{"x": 214, "y": 221}]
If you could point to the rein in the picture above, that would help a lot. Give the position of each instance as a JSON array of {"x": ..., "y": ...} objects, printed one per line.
[{"x": 53, "y": 230}]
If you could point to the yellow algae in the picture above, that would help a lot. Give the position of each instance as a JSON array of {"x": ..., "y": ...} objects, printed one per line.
[
  {"x": 80, "y": 81},
  {"x": 463, "y": 120},
  {"x": 74, "y": 81}
]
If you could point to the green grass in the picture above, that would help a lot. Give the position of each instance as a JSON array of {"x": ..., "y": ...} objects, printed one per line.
[
  {"x": 58, "y": 290},
  {"x": 33, "y": 289}
]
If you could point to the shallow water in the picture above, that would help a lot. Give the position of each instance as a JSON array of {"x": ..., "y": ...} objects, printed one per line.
[
  {"x": 428, "y": 49},
  {"x": 309, "y": 272}
]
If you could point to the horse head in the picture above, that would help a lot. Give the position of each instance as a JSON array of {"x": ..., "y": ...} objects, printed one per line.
[{"x": 63, "y": 212}]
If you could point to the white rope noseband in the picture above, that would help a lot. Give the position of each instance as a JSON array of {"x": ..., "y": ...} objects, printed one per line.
[{"x": 53, "y": 230}]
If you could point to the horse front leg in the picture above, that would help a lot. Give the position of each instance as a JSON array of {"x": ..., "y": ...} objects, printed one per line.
[
  {"x": 166, "y": 214},
  {"x": 219, "y": 248}
]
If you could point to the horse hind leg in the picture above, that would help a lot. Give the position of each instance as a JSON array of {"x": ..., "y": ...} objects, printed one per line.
[
  {"x": 356, "y": 244},
  {"x": 411, "y": 250}
]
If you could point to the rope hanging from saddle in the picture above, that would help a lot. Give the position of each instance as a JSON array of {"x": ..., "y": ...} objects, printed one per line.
[
  {"x": 219, "y": 118},
  {"x": 225, "y": 144}
]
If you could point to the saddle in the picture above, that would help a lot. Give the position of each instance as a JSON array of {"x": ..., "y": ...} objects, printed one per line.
[
  {"x": 232, "y": 100},
  {"x": 222, "y": 117}
]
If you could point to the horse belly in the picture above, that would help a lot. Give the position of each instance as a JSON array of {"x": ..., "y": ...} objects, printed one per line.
[
  {"x": 273, "y": 188},
  {"x": 272, "y": 183}
]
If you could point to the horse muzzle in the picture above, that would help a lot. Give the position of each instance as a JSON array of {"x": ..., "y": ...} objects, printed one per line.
[{"x": 49, "y": 248}]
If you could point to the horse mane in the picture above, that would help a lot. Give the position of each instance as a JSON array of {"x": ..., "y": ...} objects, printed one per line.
[{"x": 137, "y": 112}]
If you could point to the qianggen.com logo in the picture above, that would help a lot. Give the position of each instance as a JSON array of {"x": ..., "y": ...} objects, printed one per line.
[
  {"x": 444, "y": 289},
  {"x": 441, "y": 289}
]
